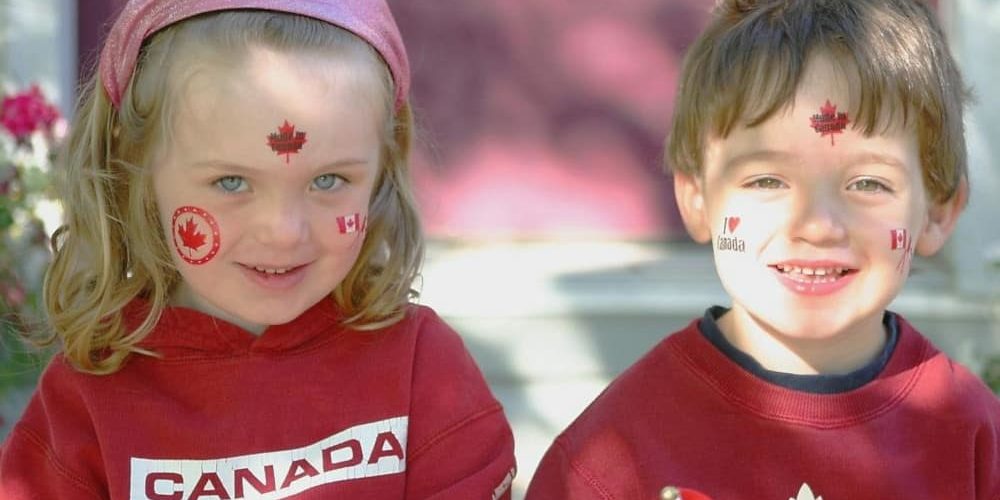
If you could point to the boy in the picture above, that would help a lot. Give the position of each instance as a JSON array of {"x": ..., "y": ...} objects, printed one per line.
[{"x": 817, "y": 145}]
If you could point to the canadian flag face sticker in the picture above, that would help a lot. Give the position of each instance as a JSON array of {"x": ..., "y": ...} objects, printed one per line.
[
  {"x": 900, "y": 240},
  {"x": 829, "y": 122},
  {"x": 286, "y": 141},
  {"x": 195, "y": 235},
  {"x": 354, "y": 223}
]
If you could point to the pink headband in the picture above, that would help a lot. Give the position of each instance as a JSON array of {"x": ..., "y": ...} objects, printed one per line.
[{"x": 369, "y": 19}]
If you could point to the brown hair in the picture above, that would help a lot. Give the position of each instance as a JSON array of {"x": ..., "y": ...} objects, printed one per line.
[
  {"x": 111, "y": 249},
  {"x": 749, "y": 61}
]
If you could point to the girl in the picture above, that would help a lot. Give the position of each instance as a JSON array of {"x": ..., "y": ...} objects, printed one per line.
[{"x": 231, "y": 288}]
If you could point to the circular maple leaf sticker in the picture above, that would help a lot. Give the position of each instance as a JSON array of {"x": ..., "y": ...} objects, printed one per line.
[{"x": 196, "y": 235}]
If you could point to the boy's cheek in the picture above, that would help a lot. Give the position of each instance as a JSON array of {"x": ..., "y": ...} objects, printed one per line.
[{"x": 732, "y": 235}]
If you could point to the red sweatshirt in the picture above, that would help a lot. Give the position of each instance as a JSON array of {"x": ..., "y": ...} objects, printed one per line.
[
  {"x": 685, "y": 415},
  {"x": 306, "y": 410}
]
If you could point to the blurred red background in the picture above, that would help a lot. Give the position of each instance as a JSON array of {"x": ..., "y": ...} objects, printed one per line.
[{"x": 540, "y": 119}]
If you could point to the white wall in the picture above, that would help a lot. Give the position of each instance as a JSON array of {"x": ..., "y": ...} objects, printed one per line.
[{"x": 974, "y": 27}]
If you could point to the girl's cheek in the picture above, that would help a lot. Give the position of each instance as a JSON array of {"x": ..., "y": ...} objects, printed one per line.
[
  {"x": 355, "y": 223},
  {"x": 195, "y": 235}
]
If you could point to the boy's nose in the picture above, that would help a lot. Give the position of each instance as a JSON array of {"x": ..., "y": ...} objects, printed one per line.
[
  {"x": 818, "y": 219},
  {"x": 281, "y": 223}
]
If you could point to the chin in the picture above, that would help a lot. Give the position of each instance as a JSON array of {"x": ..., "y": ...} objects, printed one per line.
[{"x": 802, "y": 323}]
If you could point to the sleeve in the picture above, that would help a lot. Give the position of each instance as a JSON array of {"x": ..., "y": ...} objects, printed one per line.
[
  {"x": 988, "y": 452},
  {"x": 460, "y": 443},
  {"x": 48, "y": 452},
  {"x": 30, "y": 471},
  {"x": 556, "y": 478}
]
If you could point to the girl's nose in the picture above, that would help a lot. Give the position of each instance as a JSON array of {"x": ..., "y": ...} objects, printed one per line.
[{"x": 281, "y": 223}]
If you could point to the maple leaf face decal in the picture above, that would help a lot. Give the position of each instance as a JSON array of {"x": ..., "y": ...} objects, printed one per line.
[
  {"x": 829, "y": 122},
  {"x": 286, "y": 141},
  {"x": 195, "y": 235},
  {"x": 190, "y": 237}
]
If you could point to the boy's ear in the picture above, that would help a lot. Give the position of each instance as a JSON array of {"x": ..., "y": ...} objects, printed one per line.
[
  {"x": 691, "y": 202},
  {"x": 941, "y": 219}
]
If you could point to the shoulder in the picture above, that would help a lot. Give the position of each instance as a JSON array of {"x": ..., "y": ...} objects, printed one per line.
[
  {"x": 631, "y": 408},
  {"x": 58, "y": 411},
  {"x": 439, "y": 350},
  {"x": 946, "y": 385},
  {"x": 653, "y": 380},
  {"x": 444, "y": 372},
  {"x": 54, "y": 441},
  {"x": 598, "y": 455},
  {"x": 459, "y": 441},
  {"x": 448, "y": 389},
  {"x": 59, "y": 392}
]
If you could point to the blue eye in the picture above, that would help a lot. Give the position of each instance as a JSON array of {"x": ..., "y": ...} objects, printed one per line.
[
  {"x": 232, "y": 184},
  {"x": 869, "y": 186},
  {"x": 327, "y": 182}
]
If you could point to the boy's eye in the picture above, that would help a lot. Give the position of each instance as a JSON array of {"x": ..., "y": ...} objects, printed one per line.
[
  {"x": 326, "y": 182},
  {"x": 232, "y": 184},
  {"x": 868, "y": 186},
  {"x": 765, "y": 183}
]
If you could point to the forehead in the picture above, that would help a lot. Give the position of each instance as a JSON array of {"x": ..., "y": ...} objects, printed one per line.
[
  {"x": 304, "y": 83},
  {"x": 827, "y": 89},
  {"x": 233, "y": 104}
]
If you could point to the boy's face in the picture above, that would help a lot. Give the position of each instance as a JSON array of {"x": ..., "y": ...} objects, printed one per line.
[
  {"x": 813, "y": 225},
  {"x": 263, "y": 189}
]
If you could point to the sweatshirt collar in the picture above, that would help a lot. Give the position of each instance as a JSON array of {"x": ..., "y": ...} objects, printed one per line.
[
  {"x": 183, "y": 332},
  {"x": 752, "y": 393}
]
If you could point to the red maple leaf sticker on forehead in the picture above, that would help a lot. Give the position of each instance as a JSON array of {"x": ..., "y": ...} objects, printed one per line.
[
  {"x": 190, "y": 236},
  {"x": 829, "y": 122},
  {"x": 287, "y": 141}
]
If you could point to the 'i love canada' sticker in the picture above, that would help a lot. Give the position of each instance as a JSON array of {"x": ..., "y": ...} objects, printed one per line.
[{"x": 195, "y": 235}]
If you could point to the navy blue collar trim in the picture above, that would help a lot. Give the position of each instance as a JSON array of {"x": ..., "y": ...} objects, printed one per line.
[{"x": 816, "y": 384}]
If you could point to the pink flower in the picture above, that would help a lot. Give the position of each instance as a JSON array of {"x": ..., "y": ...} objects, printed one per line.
[
  {"x": 13, "y": 295},
  {"x": 24, "y": 113}
]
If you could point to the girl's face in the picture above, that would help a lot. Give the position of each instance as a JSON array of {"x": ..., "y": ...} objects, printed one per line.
[
  {"x": 813, "y": 225},
  {"x": 264, "y": 185}
]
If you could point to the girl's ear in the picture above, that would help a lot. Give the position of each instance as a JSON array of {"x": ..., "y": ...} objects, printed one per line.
[
  {"x": 691, "y": 202},
  {"x": 941, "y": 219}
]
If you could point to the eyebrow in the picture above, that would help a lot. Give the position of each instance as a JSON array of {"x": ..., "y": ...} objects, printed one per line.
[
  {"x": 772, "y": 156},
  {"x": 761, "y": 156},
  {"x": 236, "y": 167}
]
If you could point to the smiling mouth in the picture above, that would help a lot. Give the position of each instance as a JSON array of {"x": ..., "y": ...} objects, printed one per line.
[
  {"x": 272, "y": 271},
  {"x": 812, "y": 275}
]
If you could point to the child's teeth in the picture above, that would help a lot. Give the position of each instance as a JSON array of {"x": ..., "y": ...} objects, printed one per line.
[
  {"x": 272, "y": 271},
  {"x": 817, "y": 275}
]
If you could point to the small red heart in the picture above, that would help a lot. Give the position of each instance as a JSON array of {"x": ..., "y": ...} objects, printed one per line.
[{"x": 733, "y": 223}]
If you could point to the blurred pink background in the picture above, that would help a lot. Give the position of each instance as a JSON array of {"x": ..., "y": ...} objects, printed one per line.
[{"x": 541, "y": 119}]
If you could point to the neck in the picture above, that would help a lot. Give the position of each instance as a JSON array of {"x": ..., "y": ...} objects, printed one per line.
[
  {"x": 836, "y": 353},
  {"x": 183, "y": 296}
]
